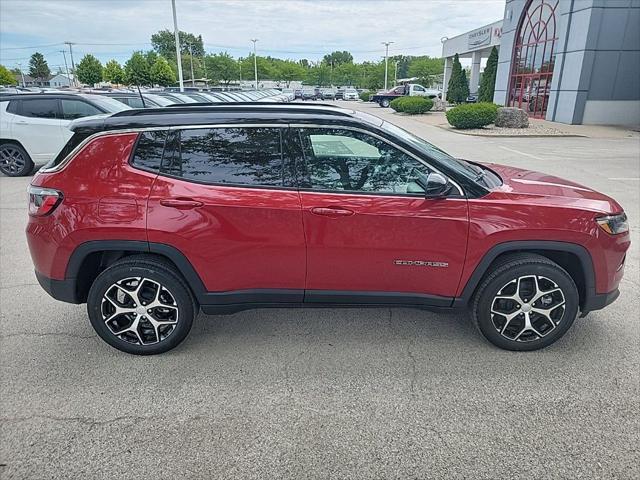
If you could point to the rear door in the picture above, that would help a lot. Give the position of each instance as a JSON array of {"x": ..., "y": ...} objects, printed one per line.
[
  {"x": 225, "y": 200},
  {"x": 372, "y": 237},
  {"x": 38, "y": 127}
]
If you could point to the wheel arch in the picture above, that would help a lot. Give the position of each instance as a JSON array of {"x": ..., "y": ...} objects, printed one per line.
[
  {"x": 91, "y": 258},
  {"x": 574, "y": 258}
]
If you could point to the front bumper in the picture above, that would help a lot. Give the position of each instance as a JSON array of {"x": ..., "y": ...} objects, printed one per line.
[{"x": 598, "y": 301}]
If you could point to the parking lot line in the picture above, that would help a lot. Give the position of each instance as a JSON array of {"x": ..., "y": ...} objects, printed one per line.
[{"x": 519, "y": 152}]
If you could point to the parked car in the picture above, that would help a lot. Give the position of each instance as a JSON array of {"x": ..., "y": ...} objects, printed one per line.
[
  {"x": 34, "y": 126},
  {"x": 298, "y": 93},
  {"x": 339, "y": 93},
  {"x": 134, "y": 100},
  {"x": 327, "y": 94},
  {"x": 378, "y": 217},
  {"x": 472, "y": 99},
  {"x": 176, "y": 97},
  {"x": 350, "y": 94},
  {"x": 289, "y": 93},
  {"x": 384, "y": 98},
  {"x": 308, "y": 93}
]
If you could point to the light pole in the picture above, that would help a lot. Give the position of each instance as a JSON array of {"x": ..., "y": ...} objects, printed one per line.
[
  {"x": 395, "y": 76},
  {"x": 386, "y": 62},
  {"x": 193, "y": 84},
  {"x": 255, "y": 61},
  {"x": 177, "y": 39}
]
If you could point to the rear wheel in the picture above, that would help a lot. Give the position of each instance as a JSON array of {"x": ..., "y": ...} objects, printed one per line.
[
  {"x": 141, "y": 306},
  {"x": 384, "y": 103},
  {"x": 14, "y": 160},
  {"x": 527, "y": 303}
]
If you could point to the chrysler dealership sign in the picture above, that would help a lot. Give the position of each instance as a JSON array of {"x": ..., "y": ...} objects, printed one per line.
[{"x": 479, "y": 38}]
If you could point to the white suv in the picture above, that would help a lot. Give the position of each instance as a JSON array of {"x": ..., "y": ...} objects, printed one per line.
[{"x": 33, "y": 127}]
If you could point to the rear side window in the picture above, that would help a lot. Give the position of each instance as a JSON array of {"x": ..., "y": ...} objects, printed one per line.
[
  {"x": 40, "y": 108},
  {"x": 149, "y": 150},
  {"x": 72, "y": 109},
  {"x": 235, "y": 156},
  {"x": 12, "y": 107}
]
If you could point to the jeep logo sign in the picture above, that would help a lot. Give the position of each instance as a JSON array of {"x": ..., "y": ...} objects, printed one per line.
[{"x": 479, "y": 38}]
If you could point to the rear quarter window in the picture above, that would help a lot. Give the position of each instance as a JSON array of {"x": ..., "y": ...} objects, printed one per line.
[{"x": 149, "y": 150}]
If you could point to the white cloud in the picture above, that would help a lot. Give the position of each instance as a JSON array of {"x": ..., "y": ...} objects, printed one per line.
[{"x": 285, "y": 28}]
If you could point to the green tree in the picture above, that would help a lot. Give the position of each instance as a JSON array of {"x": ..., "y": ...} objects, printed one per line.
[
  {"x": 38, "y": 67},
  {"x": 89, "y": 70},
  {"x": 6, "y": 77},
  {"x": 458, "y": 89},
  {"x": 338, "y": 58},
  {"x": 164, "y": 43},
  {"x": 137, "y": 70},
  {"x": 112, "y": 72},
  {"x": 426, "y": 68},
  {"x": 161, "y": 73},
  {"x": 488, "y": 82},
  {"x": 221, "y": 67}
]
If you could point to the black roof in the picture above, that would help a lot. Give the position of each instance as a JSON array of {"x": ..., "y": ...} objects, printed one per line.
[{"x": 202, "y": 114}]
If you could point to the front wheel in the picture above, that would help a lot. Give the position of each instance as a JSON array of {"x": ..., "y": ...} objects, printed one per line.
[
  {"x": 526, "y": 303},
  {"x": 141, "y": 306},
  {"x": 14, "y": 160}
]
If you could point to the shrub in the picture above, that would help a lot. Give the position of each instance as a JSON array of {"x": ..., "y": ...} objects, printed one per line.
[
  {"x": 412, "y": 105},
  {"x": 365, "y": 96},
  {"x": 472, "y": 115}
]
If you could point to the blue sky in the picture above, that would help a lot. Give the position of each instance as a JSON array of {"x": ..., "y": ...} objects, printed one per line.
[{"x": 285, "y": 28}]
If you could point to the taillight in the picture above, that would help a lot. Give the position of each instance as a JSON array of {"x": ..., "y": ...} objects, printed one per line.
[{"x": 43, "y": 201}]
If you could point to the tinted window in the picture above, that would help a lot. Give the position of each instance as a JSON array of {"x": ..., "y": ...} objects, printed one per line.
[
  {"x": 72, "y": 109},
  {"x": 244, "y": 156},
  {"x": 148, "y": 154},
  {"x": 40, "y": 108},
  {"x": 344, "y": 160}
]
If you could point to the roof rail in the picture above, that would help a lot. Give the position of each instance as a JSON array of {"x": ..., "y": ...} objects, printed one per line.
[{"x": 235, "y": 106}]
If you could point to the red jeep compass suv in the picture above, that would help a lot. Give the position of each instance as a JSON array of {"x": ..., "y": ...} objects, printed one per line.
[{"x": 150, "y": 215}]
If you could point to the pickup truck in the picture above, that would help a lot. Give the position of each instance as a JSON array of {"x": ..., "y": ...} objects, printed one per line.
[{"x": 411, "y": 89}]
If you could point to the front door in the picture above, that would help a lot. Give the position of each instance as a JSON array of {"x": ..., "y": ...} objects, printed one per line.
[
  {"x": 223, "y": 199},
  {"x": 371, "y": 235}
]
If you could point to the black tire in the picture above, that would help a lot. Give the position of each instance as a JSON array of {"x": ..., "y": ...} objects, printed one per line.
[
  {"x": 535, "y": 271},
  {"x": 14, "y": 160},
  {"x": 153, "y": 270},
  {"x": 384, "y": 103}
]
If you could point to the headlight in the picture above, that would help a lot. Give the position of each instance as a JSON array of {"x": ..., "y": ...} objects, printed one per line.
[{"x": 614, "y": 224}]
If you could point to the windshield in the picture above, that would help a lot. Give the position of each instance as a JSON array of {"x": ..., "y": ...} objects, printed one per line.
[{"x": 476, "y": 173}]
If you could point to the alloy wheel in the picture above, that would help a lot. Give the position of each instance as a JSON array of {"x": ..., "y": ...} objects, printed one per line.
[
  {"x": 11, "y": 160},
  {"x": 139, "y": 310},
  {"x": 528, "y": 308}
]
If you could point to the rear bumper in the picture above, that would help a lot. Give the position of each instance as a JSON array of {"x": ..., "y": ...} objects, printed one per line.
[
  {"x": 598, "y": 301},
  {"x": 63, "y": 290}
]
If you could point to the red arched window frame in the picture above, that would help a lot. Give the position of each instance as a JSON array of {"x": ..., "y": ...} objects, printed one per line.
[{"x": 533, "y": 58}]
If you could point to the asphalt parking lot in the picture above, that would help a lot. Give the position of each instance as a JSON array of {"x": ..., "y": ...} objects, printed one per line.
[{"x": 339, "y": 393}]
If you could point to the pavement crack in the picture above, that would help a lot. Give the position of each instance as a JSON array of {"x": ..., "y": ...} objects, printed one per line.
[{"x": 412, "y": 358}]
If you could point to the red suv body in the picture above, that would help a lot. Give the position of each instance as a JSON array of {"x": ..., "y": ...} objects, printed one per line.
[{"x": 252, "y": 206}]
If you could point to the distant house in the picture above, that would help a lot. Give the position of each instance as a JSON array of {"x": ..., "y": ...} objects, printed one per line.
[
  {"x": 25, "y": 80},
  {"x": 61, "y": 80}
]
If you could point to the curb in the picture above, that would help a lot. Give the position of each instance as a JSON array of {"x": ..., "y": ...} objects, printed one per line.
[{"x": 505, "y": 135}]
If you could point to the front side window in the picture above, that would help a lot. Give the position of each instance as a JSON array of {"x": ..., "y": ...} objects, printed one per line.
[
  {"x": 40, "y": 108},
  {"x": 350, "y": 161},
  {"x": 234, "y": 156},
  {"x": 72, "y": 109}
]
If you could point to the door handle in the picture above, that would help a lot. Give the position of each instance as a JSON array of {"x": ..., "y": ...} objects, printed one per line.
[
  {"x": 181, "y": 203},
  {"x": 332, "y": 211}
]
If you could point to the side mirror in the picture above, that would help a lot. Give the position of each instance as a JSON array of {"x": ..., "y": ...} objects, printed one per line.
[{"x": 435, "y": 185}]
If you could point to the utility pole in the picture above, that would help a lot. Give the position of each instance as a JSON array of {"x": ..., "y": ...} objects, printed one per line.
[
  {"x": 386, "y": 62},
  {"x": 21, "y": 75},
  {"x": 193, "y": 83},
  {"x": 395, "y": 76},
  {"x": 240, "y": 66},
  {"x": 66, "y": 67},
  {"x": 73, "y": 65},
  {"x": 255, "y": 61},
  {"x": 177, "y": 39}
]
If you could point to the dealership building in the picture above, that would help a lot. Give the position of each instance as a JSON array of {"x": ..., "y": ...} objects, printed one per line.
[{"x": 569, "y": 61}]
